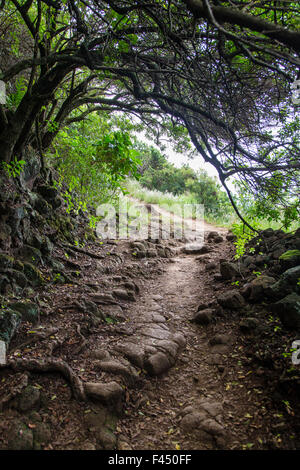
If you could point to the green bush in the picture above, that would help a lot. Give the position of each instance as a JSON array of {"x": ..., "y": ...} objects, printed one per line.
[{"x": 91, "y": 169}]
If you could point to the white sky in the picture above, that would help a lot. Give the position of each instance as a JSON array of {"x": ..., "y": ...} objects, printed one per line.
[
  {"x": 179, "y": 159},
  {"x": 196, "y": 163}
]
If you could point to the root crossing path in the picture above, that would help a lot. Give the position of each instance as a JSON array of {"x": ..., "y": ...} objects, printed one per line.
[
  {"x": 158, "y": 363},
  {"x": 184, "y": 407}
]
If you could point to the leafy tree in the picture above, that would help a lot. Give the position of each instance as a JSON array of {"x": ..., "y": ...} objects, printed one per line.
[
  {"x": 158, "y": 173},
  {"x": 218, "y": 72},
  {"x": 92, "y": 169},
  {"x": 151, "y": 158},
  {"x": 208, "y": 192}
]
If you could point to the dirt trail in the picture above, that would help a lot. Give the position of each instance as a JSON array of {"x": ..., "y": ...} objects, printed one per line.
[
  {"x": 155, "y": 378},
  {"x": 193, "y": 385},
  {"x": 191, "y": 391},
  {"x": 209, "y": 399},
  {"x": 188, "y": 222}
]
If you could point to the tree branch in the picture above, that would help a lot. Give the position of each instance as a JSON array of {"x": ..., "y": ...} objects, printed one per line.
[{"x": 234, "y": 16}]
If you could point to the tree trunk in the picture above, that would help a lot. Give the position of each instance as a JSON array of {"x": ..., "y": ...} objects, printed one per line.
[{"x": 16, "y": 133}]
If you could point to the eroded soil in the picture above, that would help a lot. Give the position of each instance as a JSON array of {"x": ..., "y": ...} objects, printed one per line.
[{"x": 126, "y": 321}]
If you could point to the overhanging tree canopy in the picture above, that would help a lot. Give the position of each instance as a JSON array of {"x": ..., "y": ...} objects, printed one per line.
[{"x": 221, "y": 69}]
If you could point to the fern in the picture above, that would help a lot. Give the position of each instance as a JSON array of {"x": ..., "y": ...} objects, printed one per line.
[{"x": 14, "y": 99}]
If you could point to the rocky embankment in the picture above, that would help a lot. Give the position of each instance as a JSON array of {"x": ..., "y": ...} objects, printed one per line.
[
  {"x": 65, "y": 299},
  {"x": 258, "y": 298},
  {"x": 92, "y": 332},
  {"x": 268, "y": 274}
]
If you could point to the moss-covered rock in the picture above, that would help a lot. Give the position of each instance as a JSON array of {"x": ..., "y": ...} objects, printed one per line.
[
  {"x": 18, "y": 265},
  {"x": 31, "y": 170},
  {"x": 107, "y": 439},
  {"x": 35, "y": 240},
  {"x": 102, "y": 424},
  {"x": 231, "y": 299},
  {"x": 287, "y": 283},
  {"x": 257, "y": 289},
  {"x": 288, "y": 310},
  {"x": 9, "y": 322},
  {"x": 31, "y": 254},
  {"x": 56, "y": 202},
  {"x": 90, "y": 234},
  {"x": 18, "y": 277},
  {"x": 290, "y": 259},
  {"x": 290, "y": 254},
  {"x": 41, "y": 205},
  {"x": 28, "y": 310},
  {"x": 29, "y": 398},
  {"x": 5, "y": 238},
  {"x": 20, "y": 437},
  {"x": 16, "y": 216},
  {"x": 47, "y": 247},
  {"x": 229, "y": 270},
  {"x": 64, "y": 225},
  {"x": 57, "y": 266},
  {"x": 41, "y": 434},
  {"x": 33, "y": 274},
  {"x": 6, "y": 261},
  {"x": 4, "y": 283}
]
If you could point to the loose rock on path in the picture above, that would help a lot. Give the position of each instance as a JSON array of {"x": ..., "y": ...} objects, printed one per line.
[{"x": 143, "y": 350}]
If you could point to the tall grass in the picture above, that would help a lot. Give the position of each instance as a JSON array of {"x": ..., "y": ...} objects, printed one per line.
[{"x": 173, "y": 203}]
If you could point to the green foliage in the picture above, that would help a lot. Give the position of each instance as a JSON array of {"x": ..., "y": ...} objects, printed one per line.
[
  {"x": 14, "y": 168},
  {"x": 15, "y": 98},
  {"x": 289, "y": 353},
  {"x": 290, "y": 254},
  {"x": 118, "y": 158},
  {"x": 257, "y": 273},
  {"x": 277, "y": 201},
  {"x": 198, "y": 187},
  {"x": 91, "y": 171},
  {"x": 234, "y": 100},
  {"x": 264, "y": 210},
  {"x": 208, "y": 192},
  {"x": 243, "y": 236}
]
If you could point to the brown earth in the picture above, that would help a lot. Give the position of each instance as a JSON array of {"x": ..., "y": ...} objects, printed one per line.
[{"x": 126, "y": 321}]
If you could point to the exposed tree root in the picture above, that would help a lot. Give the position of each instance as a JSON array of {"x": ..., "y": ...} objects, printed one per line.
[
  {"x": 50, "y": 365},
  {"x": 38, "y": 336},
  {"x": 84, "y": 252},
  {"x": 83, "y": 341}
]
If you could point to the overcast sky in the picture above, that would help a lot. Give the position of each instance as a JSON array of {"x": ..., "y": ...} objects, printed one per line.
[
  {"x": 196, "y": 163},
  {"x": 179, "y": 159}
]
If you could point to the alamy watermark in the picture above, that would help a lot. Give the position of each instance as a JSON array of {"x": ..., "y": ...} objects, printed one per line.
[
  {"x": 296, "y": 352},
  {"x": 295, "y": 86},
  {"x": 2, "y": 92},
  {"x": 136, "y": 221}
]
